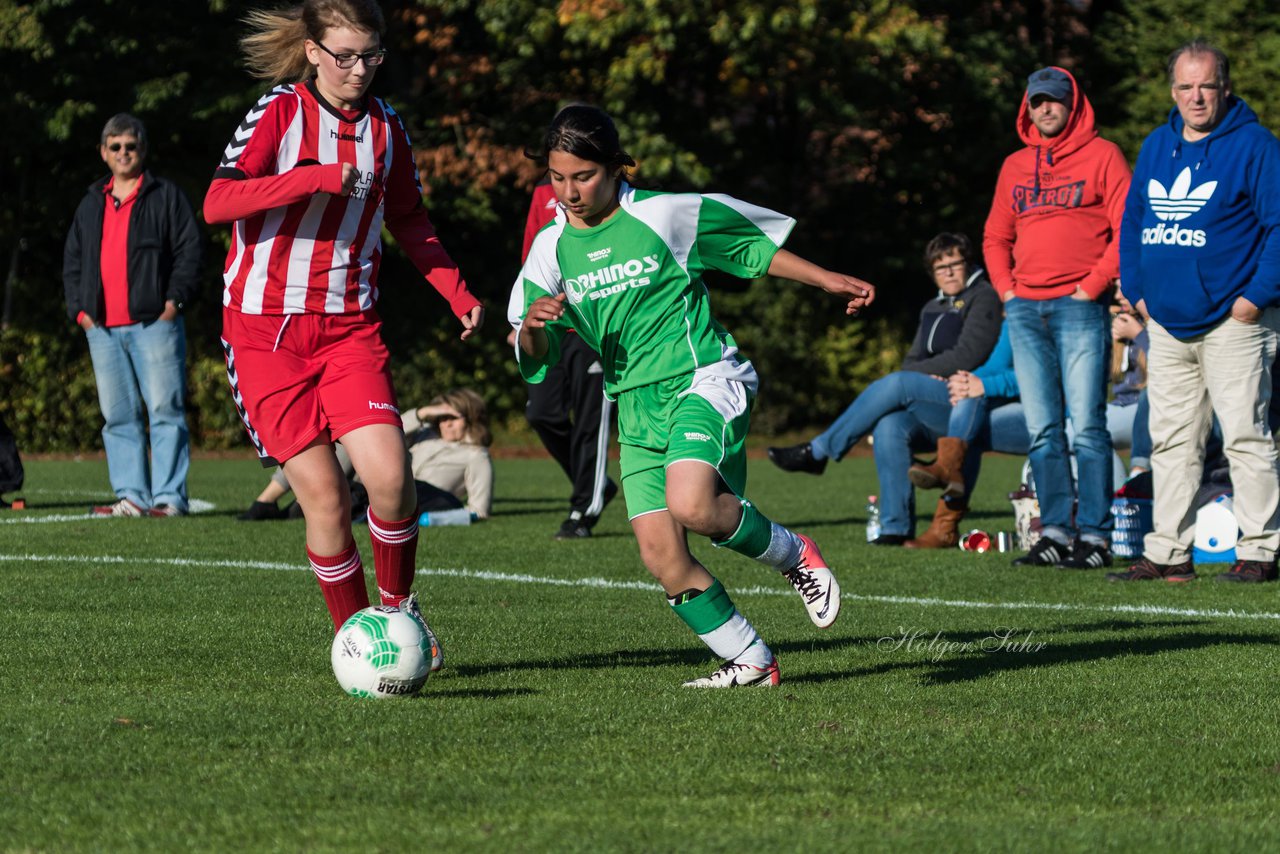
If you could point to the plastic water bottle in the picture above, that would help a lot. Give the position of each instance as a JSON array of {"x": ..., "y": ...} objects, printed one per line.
[
  {"x": 438, "y": 518},
  {"x": 873, "y": 519}
]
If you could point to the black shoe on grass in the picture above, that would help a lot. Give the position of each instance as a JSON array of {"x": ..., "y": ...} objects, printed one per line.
[
  {"x": 1149, "y": 570},
  {"x": 1046, "y": 552},
  {"x": 261, "y": 511},
  {"x": 573, "y": 528},
  {"x": 1086, "y": 554},
  {"x": 1250, "y": 572}
]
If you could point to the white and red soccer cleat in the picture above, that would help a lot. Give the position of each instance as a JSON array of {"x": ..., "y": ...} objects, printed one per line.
[
  {"x": 731, "y": 674},
  {"x": 815, "y": 583}
]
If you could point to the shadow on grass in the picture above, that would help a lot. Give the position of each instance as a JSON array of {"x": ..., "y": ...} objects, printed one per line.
[
  {"x": 474, "y": 693},
  {"x": 968, "y": 656},
  {"x": 649, "y": 657}
]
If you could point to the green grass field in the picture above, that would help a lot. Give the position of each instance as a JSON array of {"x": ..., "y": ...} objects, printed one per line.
[{"x": 165, "y": 686}]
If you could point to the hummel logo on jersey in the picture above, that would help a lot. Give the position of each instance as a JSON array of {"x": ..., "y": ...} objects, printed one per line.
[
  {"x": 1174, "y": 205},
  {"x": 600, "y": 254},
  {"x": 384, "y": 406},
  {"x": 347, "y": 137},
  {"x": 613, "y": 279}
]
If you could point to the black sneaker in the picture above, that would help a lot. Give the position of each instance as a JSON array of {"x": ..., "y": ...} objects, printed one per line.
[
  {"x": 573, "y": 529},
  {"x": 797, "y": 458},
  {"x": 261, "y": 511},
  {"x": 1149, "y": 570},
  {"x": 890, "y": 540},
  {"x": 1250, "y": 572},
  {"x": 1046, "y": 552},
  {"x": 1086, "y": 554}
]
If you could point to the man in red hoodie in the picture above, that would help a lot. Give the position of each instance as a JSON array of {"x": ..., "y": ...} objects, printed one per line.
[{"x": 1052, "y": 252}]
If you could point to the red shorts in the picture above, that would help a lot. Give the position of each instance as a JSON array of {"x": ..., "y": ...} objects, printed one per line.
[{"x": 299, "y": 377}]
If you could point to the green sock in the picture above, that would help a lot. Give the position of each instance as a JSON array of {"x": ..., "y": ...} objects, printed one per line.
[
  {"x": 762, "y": 540},
  {"x": 753, "y": 534}
]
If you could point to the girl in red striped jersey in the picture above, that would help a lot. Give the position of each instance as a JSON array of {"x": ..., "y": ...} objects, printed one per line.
[{"x": 309, "y": 178}]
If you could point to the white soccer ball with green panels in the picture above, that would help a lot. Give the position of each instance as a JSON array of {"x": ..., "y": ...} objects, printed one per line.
[{"x": 381, "y": 652}]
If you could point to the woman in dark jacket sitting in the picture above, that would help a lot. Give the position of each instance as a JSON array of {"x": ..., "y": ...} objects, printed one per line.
[{"x": 957, "y": 332}]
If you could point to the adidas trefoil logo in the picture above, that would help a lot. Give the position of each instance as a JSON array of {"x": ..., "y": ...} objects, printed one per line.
[{"x": 1179, "y": 201}]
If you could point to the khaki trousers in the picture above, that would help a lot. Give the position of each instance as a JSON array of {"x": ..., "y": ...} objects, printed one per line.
[{"x": 1227, "y": 372}]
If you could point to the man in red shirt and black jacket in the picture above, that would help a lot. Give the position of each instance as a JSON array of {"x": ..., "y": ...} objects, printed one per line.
[{"x": 130, "y": 265}]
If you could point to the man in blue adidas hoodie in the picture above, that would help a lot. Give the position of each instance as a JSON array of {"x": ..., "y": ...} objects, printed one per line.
[{"x": 1200, "y": 258}]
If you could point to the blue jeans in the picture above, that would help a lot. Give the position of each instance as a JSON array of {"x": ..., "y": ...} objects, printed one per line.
[
  {"x": 136, "y": 364},
  {"x": 899, "y": 434},
  {"x": 897, "y": 391},
  {"x": 1061, "y": 354},
  {"x": 1127, "y": 426},
  {"x": 969, "y": 415}
]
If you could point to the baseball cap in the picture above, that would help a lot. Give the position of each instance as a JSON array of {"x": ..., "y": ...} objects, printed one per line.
[{"x": 1050, "y": 82}]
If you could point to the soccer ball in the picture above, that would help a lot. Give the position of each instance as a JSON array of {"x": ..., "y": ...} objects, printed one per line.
[{"x": 381, "y": 652}]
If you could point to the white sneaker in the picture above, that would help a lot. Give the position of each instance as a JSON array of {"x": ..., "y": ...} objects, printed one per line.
[
  {"x": 816, "y": 585},
  {"x": 409, "y": 605},
  {"x": 123, "y": 507},
  {"x": 731, "y": 674}
]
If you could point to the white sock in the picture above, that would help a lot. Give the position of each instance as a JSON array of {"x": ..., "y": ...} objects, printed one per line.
[
  {"x": 738, "y": 641},
  {"x": 784, "y": 548}
]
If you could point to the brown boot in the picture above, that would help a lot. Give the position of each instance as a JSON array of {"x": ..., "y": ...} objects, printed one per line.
[
  {"x": 944, "y": 530},
  {"x": 945, "y": 472}
]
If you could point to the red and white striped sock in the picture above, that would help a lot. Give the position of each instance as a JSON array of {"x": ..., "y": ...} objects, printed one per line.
[
  {"x": 395, "y": 549},
  {"x": 341, "y": 578}
]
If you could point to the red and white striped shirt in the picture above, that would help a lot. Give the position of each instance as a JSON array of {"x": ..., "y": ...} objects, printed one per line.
[{"x": 299, "y": 247}]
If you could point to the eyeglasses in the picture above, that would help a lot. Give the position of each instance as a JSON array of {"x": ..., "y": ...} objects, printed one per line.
[
  {"x": 956, "y": 266},
  {"x": 127, "y": 146},
  {"x": 372, "y": 59}
]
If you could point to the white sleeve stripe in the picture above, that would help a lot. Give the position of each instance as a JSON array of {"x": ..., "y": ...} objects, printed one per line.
[{"x": 772, "y": 224}]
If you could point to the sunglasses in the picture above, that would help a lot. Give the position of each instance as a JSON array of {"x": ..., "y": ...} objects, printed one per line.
[{"x": 127, "y": 146}]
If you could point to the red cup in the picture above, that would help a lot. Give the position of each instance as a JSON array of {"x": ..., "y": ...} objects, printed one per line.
[{"x": 975, "y": 541}]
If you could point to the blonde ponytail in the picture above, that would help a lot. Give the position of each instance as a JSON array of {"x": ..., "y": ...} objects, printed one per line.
[{"x": 274, "y": 49}]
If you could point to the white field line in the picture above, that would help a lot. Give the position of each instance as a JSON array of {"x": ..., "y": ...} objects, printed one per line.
[
  {"x": 21, "y": 517},
  {"x": 651, "y": 587}
]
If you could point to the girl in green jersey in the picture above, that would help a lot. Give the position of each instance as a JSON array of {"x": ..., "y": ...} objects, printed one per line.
[{"x": 623, "y": 268}]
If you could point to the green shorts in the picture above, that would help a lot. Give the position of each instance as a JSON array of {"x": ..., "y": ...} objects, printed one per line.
[{"x": 691, "y": 417}]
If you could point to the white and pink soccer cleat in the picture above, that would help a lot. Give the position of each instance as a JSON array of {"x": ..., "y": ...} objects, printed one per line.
[{"x": 815, "y": 583}]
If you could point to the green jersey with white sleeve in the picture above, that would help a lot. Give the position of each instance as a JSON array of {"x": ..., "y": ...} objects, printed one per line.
[{"x": 634, "y": 284}]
